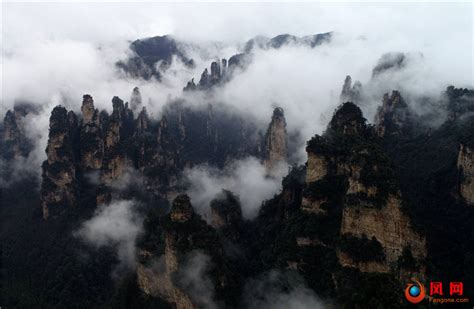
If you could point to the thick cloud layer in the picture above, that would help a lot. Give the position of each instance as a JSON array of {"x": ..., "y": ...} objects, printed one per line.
[
  {"x": 247, "y": 178},
  {"x": 116, "y": 224},
  {"x": 70, "y": 48},
  {"x": 193, "y": 277}
]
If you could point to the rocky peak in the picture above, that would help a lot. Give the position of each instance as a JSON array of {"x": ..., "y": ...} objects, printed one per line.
[
  {"x": 224, "y": 66},
  {"x": 121, "y": 122},
  {"x": 389, "y": 61},
  {"x": 13, "y": 136},
  {"x": 225, "y": 210},
  {"x": 215, "y": 72},
  {"x": 363, "y": 183},
  {"x": 92, "y": 149},
  {"x": 182, "y": 210},
  {"x": 11, "y": 128},
  {"x": 89, "y": 113},
  {"x": 163, "y": 133},
  {"x": 183, "y": 232},
  {"x": 276, "y": 140},
  {"x": 346, "y": 88},
  {"x": 59, "y": 121},
  {"x": 143, "y": 122},
  {"x": 190, "y": 86},
  {"x": 393, "y": 117},
  {"x": 460, "y": 102},
  {"x": 136, "y": 99},
  {"x": 204, "y": 82},
  {"x": 348, "y": 120},
  {"x": 59, "y": 186},
  {"x": 218, "y": 70},
  {"x": 118, "y": 108},
  {"x": 72, "y": 121},
  {"x": 465, "y": 166},
  {"x": 350, "y": 93}
]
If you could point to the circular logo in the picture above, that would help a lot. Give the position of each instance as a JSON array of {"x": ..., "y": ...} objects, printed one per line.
[{"x": 415, "y": 292}]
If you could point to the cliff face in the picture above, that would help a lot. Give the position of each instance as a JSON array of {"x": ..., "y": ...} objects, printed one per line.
[
  {"x": 347, "y": 154},
  {"x": 159, "y": 283},
  {"x": 120, "y": 127},
  {"x": 59, "y": 186},
  {"x": 92, "y": 145},
  {"x": 276, "y": 141},
  {"x": 390, "y": 227},
  {"x": 160, "y": 273},
  {"x": 465, "y": 166}
]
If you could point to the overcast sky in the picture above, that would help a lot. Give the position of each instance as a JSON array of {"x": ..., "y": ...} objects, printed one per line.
[
  {"x": 443, "y": 31},
  {"x": 99, "y": 22}
]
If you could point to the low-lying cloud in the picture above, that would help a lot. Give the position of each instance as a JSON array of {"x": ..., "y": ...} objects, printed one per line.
[
  {"x": 115, "y": 225},
  {"x": 193, "y": 277},
  {"x": 280, "y": 290},
  {"x": 246, "y": 178}
]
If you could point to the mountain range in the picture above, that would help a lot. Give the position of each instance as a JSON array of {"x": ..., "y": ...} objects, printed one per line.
[{"x": 376, "y": 203}]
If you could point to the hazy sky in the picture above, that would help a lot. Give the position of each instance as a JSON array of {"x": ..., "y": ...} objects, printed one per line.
[
  {"x": 55, "y": 37},
  {"x": 99, "y": 22}
]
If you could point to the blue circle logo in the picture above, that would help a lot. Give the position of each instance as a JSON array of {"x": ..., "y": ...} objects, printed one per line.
[{"x": 415, "y": 291}]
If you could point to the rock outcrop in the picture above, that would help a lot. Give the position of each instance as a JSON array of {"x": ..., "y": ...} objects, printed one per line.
[
  {"x": 151, "y": 56},
  {"x": 182, "y": 210},
  {"x": 460, "y": 102},
  {"x": 350, "y": 93},
  {"x": 276, "y": 141},
  {"x": 106, "y": 149},
  {"x": 158, "y": 281},
  {"x": 347, "y": 157},
  {"x": 393, "y": 117},
  {"x": 209, "y": 80},
  {"x": 92, "y": 143},
  {"x": 13, "y": 141},
  {"x": 120, "y": 127},
  {"x": 136, "y": 100},
  {"x": 390, "y": 227},
  {"x": 59, "y": 186},
  {"x": 225, "y": 210},
  {"x": 160, "y": 273},
  {"x": 226, "y": 215},
  {"x": 388, "y": 62},
  {"x": 281, "y": 40},
  {"x": 465, "y": 166}
]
